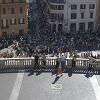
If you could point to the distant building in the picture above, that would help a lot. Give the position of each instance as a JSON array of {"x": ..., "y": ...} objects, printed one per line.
[
  {"x": 13, "y": 17},
  {"x": 98, "y": 15},
  {"x": 72, "y": 15},
  {"x": 57, "y": 15}
]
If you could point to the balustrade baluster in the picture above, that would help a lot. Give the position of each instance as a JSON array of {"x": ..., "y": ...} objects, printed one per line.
[{"x": 21, "y": 62}]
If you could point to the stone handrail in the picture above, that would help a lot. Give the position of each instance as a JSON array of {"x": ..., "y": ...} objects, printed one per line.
[{"x": 81, "y": 63}]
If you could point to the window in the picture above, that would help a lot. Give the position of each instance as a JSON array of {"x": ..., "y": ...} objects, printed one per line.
[
  {"x": 21, "y": 10},
  {"x": 60, "y": 16},
  {"x": 82, "y": 15},
  {"x": 91, "y": 14},
  {"x": 73, "y": 15},
  {"x": 54, "y": 27},
  {"x": 91, "y": 6},
  {"x": 4, "y": 10},
  {"x": 4, "y": 23},
  {"x": 83, "y": 6},
  {"x": 53, "y": 16},
  {"x": 82, "y": 27},
  {"x": 21, "y": 20},
  {"x": 91, "y": 26},
  {"x": 54, "y": 7},
  {"x": 57, "y": 7},
  {"x": 73, "y": 27},
  {"x": 13, "y": 21},
  {"x": 60, "y": 27},
  {"x": 60, "y": 7},
  {"x": 61, "y": 1},
  {"x": 12, "y": 10},
  {"x": 73, "y": 7}
]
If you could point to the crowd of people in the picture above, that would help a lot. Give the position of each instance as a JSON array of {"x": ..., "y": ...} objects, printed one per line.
[
  {"x": 40, "y": 39},
  {"x": 40, "y": 35},
  {"x": 60, "y": 42},
  {"x": 52, "y": 43}
]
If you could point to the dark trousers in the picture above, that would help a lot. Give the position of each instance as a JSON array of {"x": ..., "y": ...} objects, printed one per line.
[
  {"x": 63, "y": 65},
  {"x": 36, "y": 64},
  {"x": 44, "y": 62},
  {"x": 91, "y": 68},
  {"x": 73, "y": 64},
  {"x": 56, "y": 67}
]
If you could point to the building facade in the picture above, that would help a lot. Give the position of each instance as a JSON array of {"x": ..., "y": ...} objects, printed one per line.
[
  {"x": 98, "y": 15},
  {"x": 56, "y": 15},
  {"x": 13, "y": 17},
  {"x": 73, "y": 15}
]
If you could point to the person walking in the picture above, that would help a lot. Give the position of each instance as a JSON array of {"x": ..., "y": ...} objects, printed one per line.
[
  {"x": 58, "y": 67},
  {"x": 43, "y": 59},
  {"x": 63, "y": 62},
  {"x": 74, "y": 61},
  {"x": 91, "y": 67},
  {"x": 36, "y": 58}
]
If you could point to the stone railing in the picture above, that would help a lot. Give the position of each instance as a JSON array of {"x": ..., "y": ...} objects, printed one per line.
[{"x": 50, "y": 62}]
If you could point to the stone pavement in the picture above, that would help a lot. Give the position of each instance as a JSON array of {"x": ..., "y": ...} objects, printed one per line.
[{"x": 21, "y": 86}]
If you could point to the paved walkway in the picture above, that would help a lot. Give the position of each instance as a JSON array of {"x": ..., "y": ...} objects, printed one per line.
[{"x": 21, "y": 86}]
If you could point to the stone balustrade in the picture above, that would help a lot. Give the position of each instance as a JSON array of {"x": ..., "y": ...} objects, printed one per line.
[{"x": 50, "y": 62}]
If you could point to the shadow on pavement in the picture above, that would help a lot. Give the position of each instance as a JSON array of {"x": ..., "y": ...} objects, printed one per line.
[
  {"x": 56, "y": 79},
  {"x": 51, "y": 70}
]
